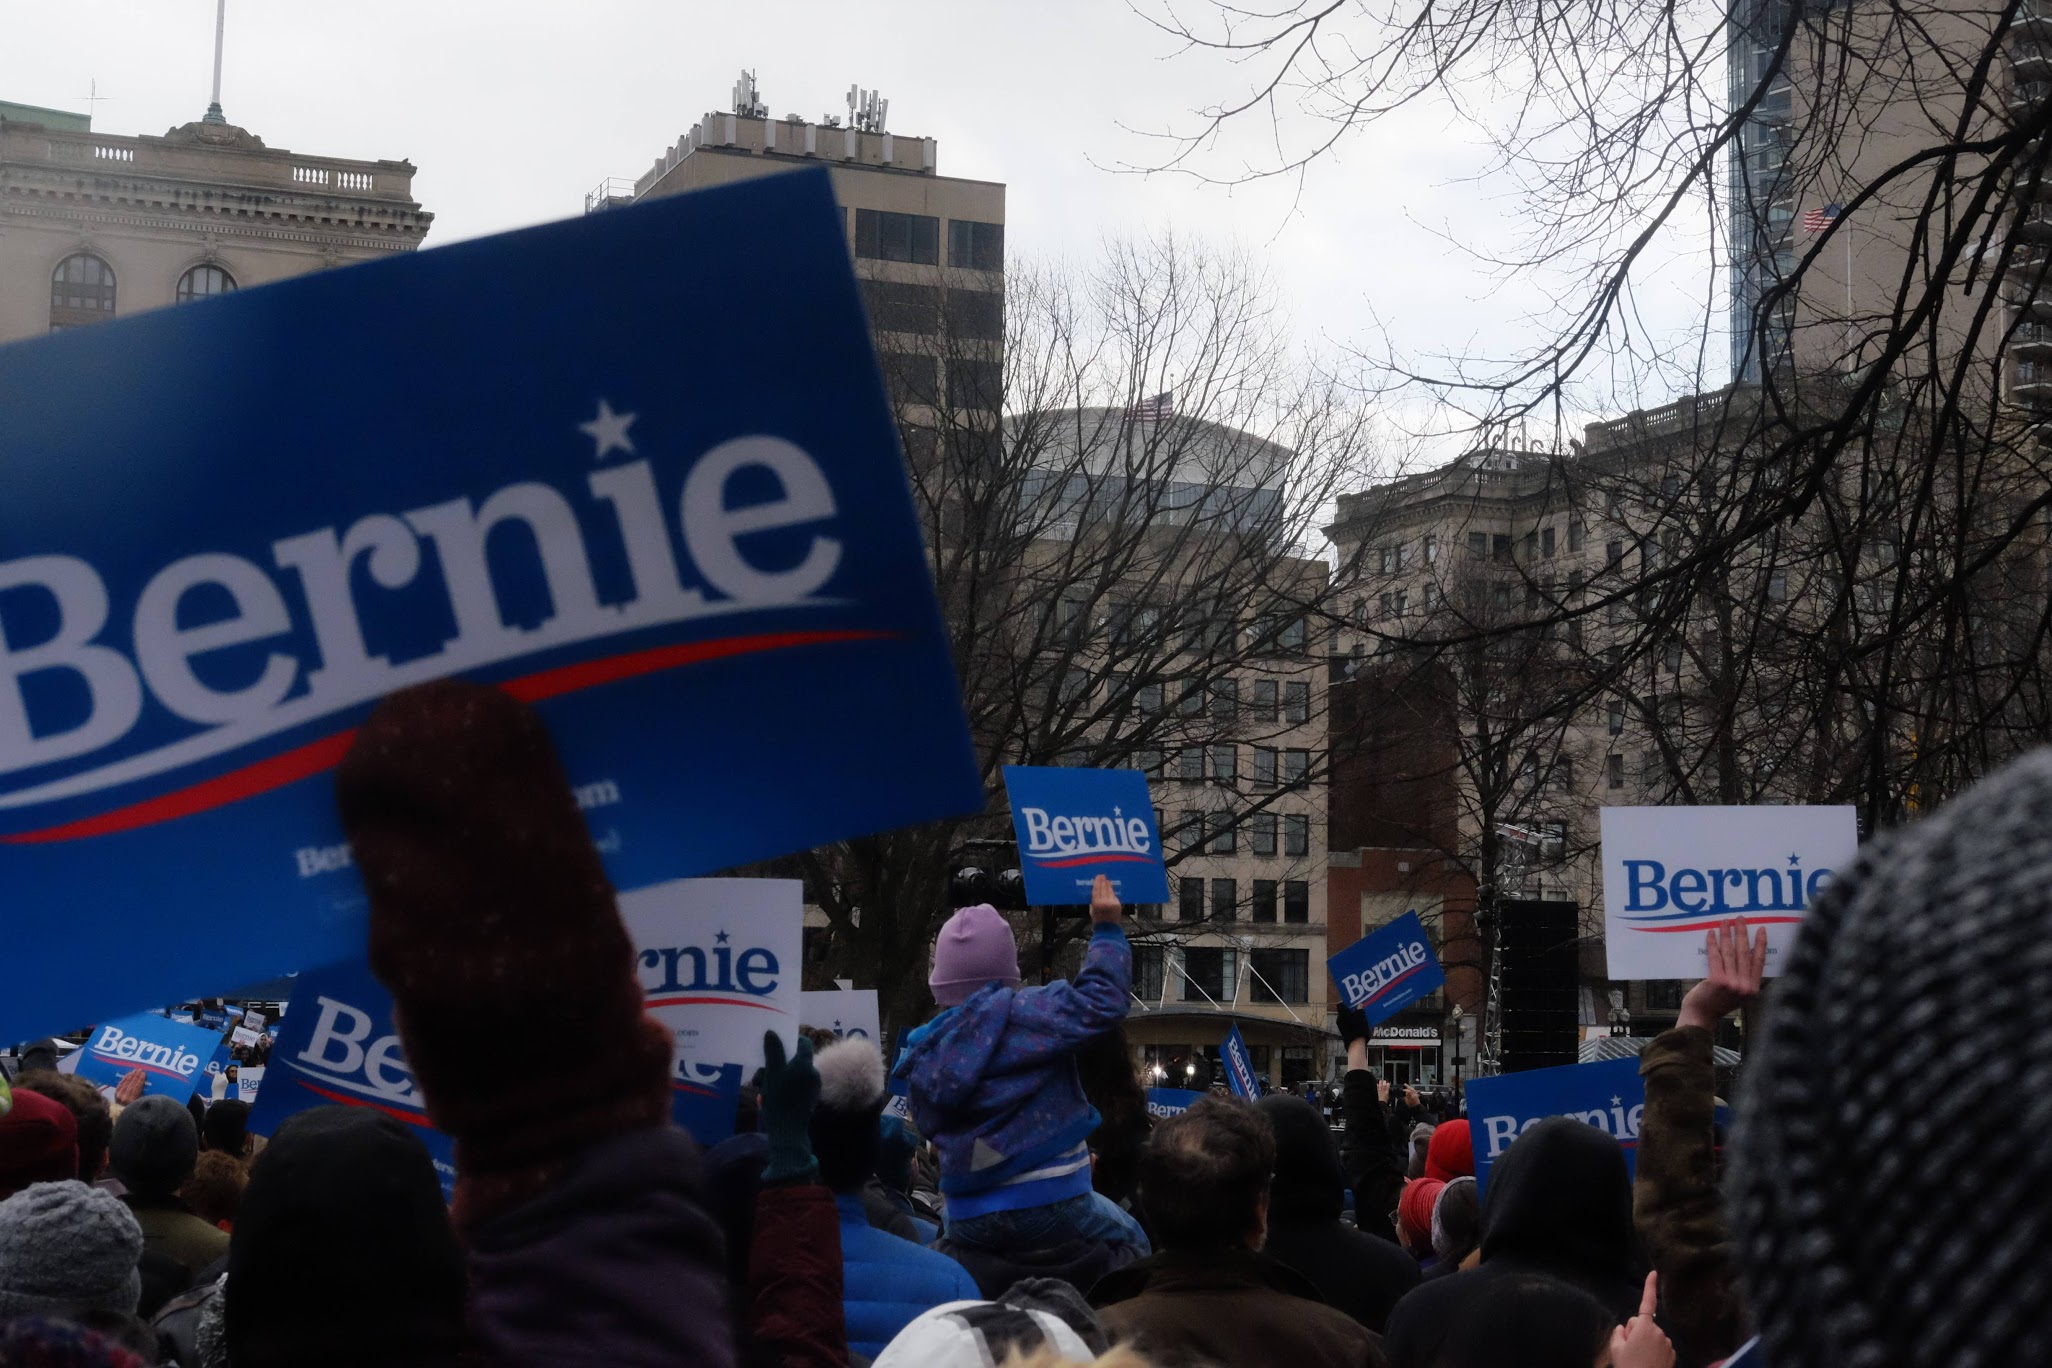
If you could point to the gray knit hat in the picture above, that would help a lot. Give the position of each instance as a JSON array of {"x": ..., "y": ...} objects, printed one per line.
[
  {"x": 155, "y": 1146},
  {"x": 1891, "y": 1186},
  {"x": 66, "y": 1247}
]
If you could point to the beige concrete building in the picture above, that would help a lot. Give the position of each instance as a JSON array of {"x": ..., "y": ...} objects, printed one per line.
[{"x": 95, "y": 225}]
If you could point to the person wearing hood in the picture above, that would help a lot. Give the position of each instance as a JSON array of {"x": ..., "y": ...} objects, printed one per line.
[
  {"x": 992, "y": 1081},
  {"x": 1357, "y": 1273},
  {"x": 1558, "y": 1203}
]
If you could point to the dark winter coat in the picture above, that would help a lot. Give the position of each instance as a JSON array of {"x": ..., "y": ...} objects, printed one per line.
[
  {"x": 1370, "y": 1157},
  {"x": 1229, "y": 1309},
  {"x": 614, "y": 1263},
  {"x": 1558, "y": 1203},
  {"x": 1676, "y": 1200},
  {"x": 1079, "y": 1263},
  {"x": 795, "y": 1318},
  {"x": 1356, "y": 1273}
]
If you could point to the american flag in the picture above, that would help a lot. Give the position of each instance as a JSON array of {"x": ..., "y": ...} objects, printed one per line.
[
  {"x": 1817, "y": 220},
  {"x": 1152, "y": 410}
]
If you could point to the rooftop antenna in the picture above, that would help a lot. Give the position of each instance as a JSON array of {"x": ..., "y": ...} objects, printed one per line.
[
  {"x": 93, "y": 99},
  {"x": 867, "y": 110},
  {"x": 214, "y": 114},
  {"x": 747, "y": 99}
]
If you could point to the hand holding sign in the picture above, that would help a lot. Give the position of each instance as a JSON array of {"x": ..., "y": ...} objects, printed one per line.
[
  {"x": 1104, "y": 904},
  {"x": 1736, "y": 964}
]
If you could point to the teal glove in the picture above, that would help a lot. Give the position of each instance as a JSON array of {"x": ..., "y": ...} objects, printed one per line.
[{"x": 790, "y": 1093}]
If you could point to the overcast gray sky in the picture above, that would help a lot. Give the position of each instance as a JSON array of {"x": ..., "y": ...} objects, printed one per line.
[{"x": 512, "y": 109}]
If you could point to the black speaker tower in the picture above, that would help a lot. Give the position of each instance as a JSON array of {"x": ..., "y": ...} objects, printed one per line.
[{"x": 1540, "y": 947}]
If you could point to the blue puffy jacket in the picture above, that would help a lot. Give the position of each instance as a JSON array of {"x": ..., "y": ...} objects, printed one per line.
[{"x": 886, "y": 1282}]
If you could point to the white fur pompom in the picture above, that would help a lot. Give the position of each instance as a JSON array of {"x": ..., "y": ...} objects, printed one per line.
[{"x": 851, "y": 1074}]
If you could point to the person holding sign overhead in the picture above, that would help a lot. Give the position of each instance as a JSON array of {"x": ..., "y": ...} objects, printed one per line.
[{"x": 992, "y": 1081}]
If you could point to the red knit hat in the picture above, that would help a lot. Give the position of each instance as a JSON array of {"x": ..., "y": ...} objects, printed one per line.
[
  {"x": 1414, "y": 1210},
  {"x": 38, "y": 1143},
  {"x": 1451, "y": 1155}
]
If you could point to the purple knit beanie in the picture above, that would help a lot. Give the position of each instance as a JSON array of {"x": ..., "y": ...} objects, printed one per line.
[{"x": 975, "y": 948}]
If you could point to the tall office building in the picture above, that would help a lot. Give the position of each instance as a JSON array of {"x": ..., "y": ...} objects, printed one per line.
[{"x": 94, "y": 225}]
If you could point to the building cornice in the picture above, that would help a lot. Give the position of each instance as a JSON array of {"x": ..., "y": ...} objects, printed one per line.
[{"x": 286, "y": 228}]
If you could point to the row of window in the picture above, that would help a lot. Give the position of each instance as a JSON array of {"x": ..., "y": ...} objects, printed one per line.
[
  {"x": 1225, "y": 905},
  {"x": 915, "y": 238},
  {"x": 1287, "y": 767},
  {"x": 1264, "y": 700},
  {"x": 898, "y": 307},
  {"x": 973, "y": 382},
  {"x": 1211, "y": 974},
  {"x": 1217, "y": 833},
  {"x": 83, "y": 288}
]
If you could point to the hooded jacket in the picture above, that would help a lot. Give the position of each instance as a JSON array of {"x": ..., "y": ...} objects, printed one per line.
[
  {"x": 1354, "y": 1272},
  {"x": 887, "y": 1283},
  {"x": 1558, "y": 1203},
  {"x": 1228, "y": 1308},
  {"x": 993, "y": 1085}
]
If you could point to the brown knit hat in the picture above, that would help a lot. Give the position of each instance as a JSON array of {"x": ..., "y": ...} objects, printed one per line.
[{"x": 495, "y": 928}]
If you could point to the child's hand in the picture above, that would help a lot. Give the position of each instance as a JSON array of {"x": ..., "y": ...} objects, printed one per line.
[{"x": 1104, "y": 904}]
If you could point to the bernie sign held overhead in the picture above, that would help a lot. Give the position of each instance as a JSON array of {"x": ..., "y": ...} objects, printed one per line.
[{"x": 228, "y": 529}]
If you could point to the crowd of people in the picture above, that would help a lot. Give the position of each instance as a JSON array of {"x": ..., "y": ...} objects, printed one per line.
[{"x": 1026, "y": 1207}]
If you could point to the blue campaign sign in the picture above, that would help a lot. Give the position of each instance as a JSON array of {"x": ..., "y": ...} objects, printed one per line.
[
  {"x": 703, "y": 1099},
  {"x": 674, "y": 517},
  {"x": 1609, "y": 1095},
  {"x": 1165, "y": 1102},
  {"x": 1387, "y": 970},
  {"x": 1239, "y": 1066},
  {"x": 171, "y": 1054},
  {"x": 1075, "y": 824},
  {"x": 338, "y": 1047}
]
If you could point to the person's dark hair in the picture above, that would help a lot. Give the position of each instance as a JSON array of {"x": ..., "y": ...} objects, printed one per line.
[
  {"x": 95, "y": 1118},
  {"x": 214, "y": 1192},
  {"x": 1205, "y": 1173},
  {"x": 1529, "y": 1320},
  {"x": 1105, "y": 1066},
  {"x": 226, "y": 1127}
]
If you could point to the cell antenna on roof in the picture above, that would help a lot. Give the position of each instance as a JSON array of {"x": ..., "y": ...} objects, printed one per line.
[
  {"x": 867, "y": 110},
  {"x": 214, "y": 114},
  {"x": 747, "y": 100}
]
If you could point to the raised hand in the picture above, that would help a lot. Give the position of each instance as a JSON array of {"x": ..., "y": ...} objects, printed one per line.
[
  {"x": 131, "y": 1086},
  {"x": 790, "y": 1093},
  {"x": 1104, "y": 904},
  {"x": 1639, "y": 1342},
  {"x": 1736, "y": 964}
]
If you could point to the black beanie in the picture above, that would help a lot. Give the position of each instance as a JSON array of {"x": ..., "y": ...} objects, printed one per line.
[
  {"x": 1883, "y": 1218},
  {"x": 845, "y": 1126},
  {"x": 343, "y": 1253}
]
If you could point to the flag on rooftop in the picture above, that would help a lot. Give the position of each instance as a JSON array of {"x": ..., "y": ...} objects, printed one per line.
[
  {"x": 1152, "y": 410},
  {"x": 1817, "y": 220}
]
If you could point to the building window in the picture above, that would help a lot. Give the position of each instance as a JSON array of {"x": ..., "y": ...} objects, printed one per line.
[
  {"x": 1296, "y": 835},
  {"x": 974, "y": 383},
  {"x": 81, "y": 291},
  {"x": 1297, "y": 698},
  {"x": 899, "y": 308},
  {"x": 1674, "y": 657},
  {"x": 1224, "y": 839},
  {"x": 1564, "y": 774},
  {"x": 1576, "y": 535},
  {"x": 1189, "y": 898},
  {"x": 977, "y": 314},
  {"x": 1500, "y": 547},
  {"x": 976, "y": 246},
  {"x": 1261, "y": 707},
  {"x": 1148, "y": 762},
  {"x": 1225, "y": 764},
  {"x": 1297, "y": 902},
  {"x": 1190, "y": 832},
  {"x": 1207, "y": 970},
  {"x": 1147, "y": 698},
  {"x": 1432, "y": 548},
  {"x": 1190, "y": 764},
  {"x": 1262, "y": 908},
  {"x": 1296, "y": 767},
  {"x": 1617, "y": 721},
  {"x": 881, "y": 236},
  {"x": 1225, "y": 699},
  {"x": 1613, "y": 552},
  {"x": 1280, "y": 976},
  {"x": 1777, "y": 587},
  {"x": 911, "y": 378},
  {"x": 1147, "y": 972},
  {"x": 1293, "y": 637},
  {"x": 1478, "y": 546},
  {"x": 1613, "y": 770},
  {"x": 1225, "y": 899},
  {"x": 1264, "y": 767},
  {"x": 1431, "y": 596},
  {"x": 203, "y": 282},
  {"x": 1546, "y": 542},
  {"x": 1263, "y": 828}
]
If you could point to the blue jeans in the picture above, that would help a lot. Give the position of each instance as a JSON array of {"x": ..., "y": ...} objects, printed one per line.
[{"x": 1095, "y": 1218}]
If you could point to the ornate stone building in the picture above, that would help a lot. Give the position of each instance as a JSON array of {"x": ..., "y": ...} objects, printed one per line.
[{"x": 96, "y": 225}]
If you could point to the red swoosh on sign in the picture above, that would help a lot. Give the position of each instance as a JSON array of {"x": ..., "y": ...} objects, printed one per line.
[
  {"x": 352, "y": 1100},
  {"x": 720, "y": 1001},
  {"x": 316, "y": 757},
  {"x": 1713, "y": 925},
  {"x": 1093, "y": 859}
]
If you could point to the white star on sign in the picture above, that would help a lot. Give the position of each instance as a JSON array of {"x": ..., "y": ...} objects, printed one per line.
[
  {"x": 608, "y": 431},
  {"x": 1616, "y": 1101}
]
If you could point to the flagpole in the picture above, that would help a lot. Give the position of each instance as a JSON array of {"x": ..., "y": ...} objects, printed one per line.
[{"x": 1851, "y": 355}]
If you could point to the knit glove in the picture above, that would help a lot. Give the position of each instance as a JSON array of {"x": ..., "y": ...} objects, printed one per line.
[
  {"x": 1353, "y": 1025},
  {"x": 790, "y": 1093},
  {"x": 494, "y": 927}
]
